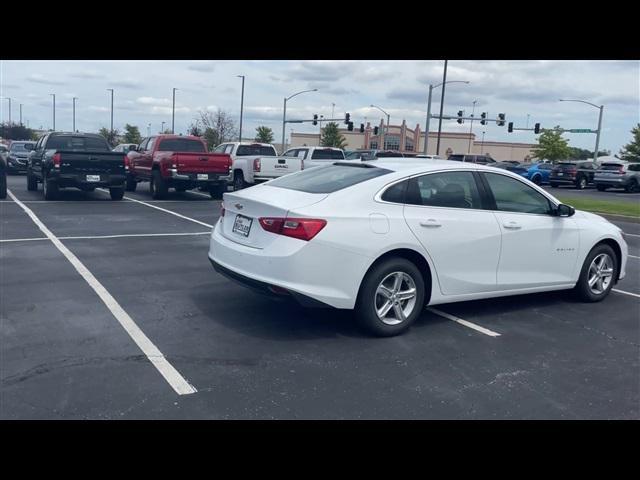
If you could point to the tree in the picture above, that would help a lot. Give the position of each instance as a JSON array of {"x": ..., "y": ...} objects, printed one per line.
[
  {"x": 264, "y": 134},
  {"x": 195, "y": 130},
  {"x": 552, "y": 146},
  {"x": 132, "y": 134},
  {"x": 631, "y": 151},
  {"x": 218, "y": 126},
  {"x": 15, "y": 131},
  {"x": 584, "y": 154},
  {"x": 111, "y": 136},
  {"x": 331, "y": 136}
]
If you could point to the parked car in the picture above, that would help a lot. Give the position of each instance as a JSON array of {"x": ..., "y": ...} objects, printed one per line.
[
  {"x": 125, "y": 147},
  {"x": 316, "y": 156},
  {"x": 578, "y": 173},
  {"x": 538, "y": 173},
  {"x": 75, "y": 160},
  {"x": 481, "y": 159},
  {"x": 294, "y": 160},
  {"x": 385, "y": 238},
  {"x": 3, "y": 178},
  {"x": 618, "y": 174},
  {"x": 4, "y": 150},
  {"x": 179, "y": 162},
  {"x": 504, "y": 164},
  {"x": 243, "y": 154},
  {"x": 372, "y": 154},
  {"x": 17, "y": 156}
]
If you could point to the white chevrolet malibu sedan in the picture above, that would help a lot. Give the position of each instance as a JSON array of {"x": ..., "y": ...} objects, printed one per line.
[{"x": 388, "y": 237}]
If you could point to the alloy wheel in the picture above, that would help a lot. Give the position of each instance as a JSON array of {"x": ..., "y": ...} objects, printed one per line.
[
  {"x": 600, "y": 273},
  {"x": 395, "y": 298}
]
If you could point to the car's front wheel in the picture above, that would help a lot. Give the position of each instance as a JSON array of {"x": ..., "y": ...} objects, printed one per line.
[
  {"x": 3, "y": 185},
  {"x": 537, "y": 179},
  {"x": 632, "y": 186},
  {"x": 601, "y": 188},
  {"x": 598, "y": 274},
  {"x": 391, "y": 297}
]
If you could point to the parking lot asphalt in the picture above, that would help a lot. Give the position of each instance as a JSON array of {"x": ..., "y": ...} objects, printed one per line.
[{"x": 65, "y": 354}]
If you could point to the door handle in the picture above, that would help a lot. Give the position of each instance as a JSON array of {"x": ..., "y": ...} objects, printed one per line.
[
  {"x": 430, "y": 223},
  {"x": 512, "y": 225}
]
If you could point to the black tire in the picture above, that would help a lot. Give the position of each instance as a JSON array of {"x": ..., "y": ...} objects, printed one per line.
[
  {"x": 181, "y": 189},
  {"x": 3, "y": 185},
  {"x": 32, "y": 182},
  {"x": 158, "y": 186},
  {"x": 131, "y": 184},
  {"x": 217, "y": 191},
  {"x": 116, "y": 193},
  {"x": 537, "y": 179},
  {"x": 554, "y": 185},
  {"x": 365, "y": 310},
  {"x": 632, "y": 186},
  {"x": 238, "y": 180},
  {"x": 582, "y": 289},
  {"x": 581, "y": 183},
  {"x": 50, "y": 188}
]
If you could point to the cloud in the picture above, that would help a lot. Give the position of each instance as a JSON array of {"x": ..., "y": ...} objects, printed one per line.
[
  {"x": 203, "y": 67},
  {"x": 96, "y": 108},
  {"x": 127, "y": 83},
  {"x": 153, "y": 101},
  {"x": 86, "y": 74},
  {"x": 39, "y": 78},
  {"x": 319, "y": 71}
]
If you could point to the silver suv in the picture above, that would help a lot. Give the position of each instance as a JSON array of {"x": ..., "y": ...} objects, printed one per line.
[{"x": 618, "y": 175}]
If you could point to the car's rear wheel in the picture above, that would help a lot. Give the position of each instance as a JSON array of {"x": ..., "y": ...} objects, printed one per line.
[
  {"x": 158, "y": 186},
  {"x": 537, "y": 179},
  {"x": 391, "y": 297},
  {"x": 598, "y": 274},
  {"x": 632, "y": 186},
  {"x": 3, "y": 185},
  {"x": 32, "y": 182},
  {"x": 116, "y": 193},
  {"x": 50, "y": 189},
  {"x": 217, "y": 191},
  {"x": 581, "y": 183},
  {"x": 238, "y": 180},
  {"x": 601, "y": 188},
  {"x": 131, "y": 184}
]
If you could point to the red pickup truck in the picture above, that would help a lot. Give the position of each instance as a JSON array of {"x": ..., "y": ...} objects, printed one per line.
[{"x": 180, "y": 162}]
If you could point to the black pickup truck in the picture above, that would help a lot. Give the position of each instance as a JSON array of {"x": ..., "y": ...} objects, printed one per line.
[{"x": 80, "y": 160}]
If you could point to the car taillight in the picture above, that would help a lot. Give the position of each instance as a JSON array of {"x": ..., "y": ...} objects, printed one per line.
[
  {"x": 57, "y": 158},
  {"x": 572, "y": 171},
  {"x": 300, "y": 228},
  {"x": 126, "y": 162},
  {"x": 222, "y": 209},
  {"x": 256, "y": 165}
]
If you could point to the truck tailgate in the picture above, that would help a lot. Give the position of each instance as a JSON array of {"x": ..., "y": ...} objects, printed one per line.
[
  {"x": 202, "y": 162},
  {"x": 273, "y": 167},
  {"x": 96, "y": 163}
]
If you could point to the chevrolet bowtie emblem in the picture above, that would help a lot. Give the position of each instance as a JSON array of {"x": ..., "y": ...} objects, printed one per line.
[{"x": 239, "y": 206}]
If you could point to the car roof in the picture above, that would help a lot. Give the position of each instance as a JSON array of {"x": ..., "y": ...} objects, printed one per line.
[{"x": 411, "y": 166}]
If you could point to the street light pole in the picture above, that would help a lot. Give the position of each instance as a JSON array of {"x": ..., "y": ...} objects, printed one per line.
[
  {"x": 111, "y": 90},
  {"x": 162, "y": 129},
  {"x": 241, "y": 107},
  {"x": 473, "y": 111},
  {"x": 284, "y": 112},
  {"x": 482, "y": 145},
  {"x": 20, "y": 114},
  {"x": 9, "y": 98},
  {"x": 173, "y": 113},
  {"x": 74, "y": 113},
  {"x": 428, "y": 121},
  {"x": 54, "y": 110},
  {"x": 333, "y": 108},
  {"x": 444, "y": 84},
  {"x": 601, "y": 108}
]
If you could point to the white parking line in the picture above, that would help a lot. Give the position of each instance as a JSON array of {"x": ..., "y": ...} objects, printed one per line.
[
  {"x": 466, "y": 323},
  {"x": 626, "y": 293},
  {"x": 162, "y": 209},
  {"x": 93, "y": 237},
  {"x": 632, "y": 234},
  {"x": 155, "y": 356},
  {"x": 632, "y": 256}
]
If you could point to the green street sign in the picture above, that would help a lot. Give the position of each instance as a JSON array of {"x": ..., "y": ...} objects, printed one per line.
[{"x": 581, "y": 130}]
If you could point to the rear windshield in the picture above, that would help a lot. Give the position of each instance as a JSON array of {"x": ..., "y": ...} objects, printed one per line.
[
  {"x": 180, "y": 145},
  {"x": 263, "y": 151},
  {"x": 69, "y": 142},
  {"x": 566, "y": 164},
  {"x": 611, "y": 166},
  {"x": 388, "y": 154},
  {"x": 328, "y": 179},
  {"x": 327, "y": 155},
  {"x": 457, "y": 158}
]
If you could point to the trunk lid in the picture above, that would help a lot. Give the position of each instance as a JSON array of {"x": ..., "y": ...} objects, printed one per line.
[
  {"x": 277, "y": 166},
  {"x": 243, "y": 209}
]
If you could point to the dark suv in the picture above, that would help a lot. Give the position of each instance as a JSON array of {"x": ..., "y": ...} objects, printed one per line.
[
  {"x": 482, "y": 159},
  {"x": 578, "y": 173}
]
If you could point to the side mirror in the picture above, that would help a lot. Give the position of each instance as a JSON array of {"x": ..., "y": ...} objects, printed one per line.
[
  {"x": 133, "y": 148},
  {"x": 565, "y": 210}
]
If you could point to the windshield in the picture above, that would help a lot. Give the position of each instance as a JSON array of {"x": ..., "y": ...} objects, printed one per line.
[
  {"x": 18, "y": 147},
  {"x": 328, "y": 179},
  {"x": 181, "y": 145},
  {"x": 263, "y": 151},
  {"x": 69, "y": 142}
]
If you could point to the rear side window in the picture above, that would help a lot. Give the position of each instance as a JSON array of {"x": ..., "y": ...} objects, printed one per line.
[
  {"x": 263, "y": 151},
  {"x": 395, "y": 193},
  {"x": 447, "y": 189},
  {"x": 327, "y": 154},
  {"x": 328, "y": 179},
  {"x": 180, "y": 145},
  {"x": 72, "y": 142}
]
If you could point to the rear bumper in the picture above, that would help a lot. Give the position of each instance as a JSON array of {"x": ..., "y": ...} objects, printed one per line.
[
  {"x": 80, "y": 180},
  {"x": 620, "y": 182},
  {"x": 563, "y": 180},
  {"x": 191, "y": 180}
]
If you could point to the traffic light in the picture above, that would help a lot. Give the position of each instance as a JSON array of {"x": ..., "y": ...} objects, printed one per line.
[
  {"x": 362, "y": 128},
  {"x": 510, "y": 127},
  {"x": 536, "y": 128},
  {"x": 350, "y": 126},
  {"x": 460, "y": 113},
  {"x": 484, "y": 118},
  {"x": 315, "y": 119},
  {"x": 500, "y": 122},
  {"x": 347, "y": 118},
  {"x": 375, "y": 130}
]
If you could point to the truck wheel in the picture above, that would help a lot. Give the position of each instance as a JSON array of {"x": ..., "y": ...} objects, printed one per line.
[
  {"x": 131, "y": 184},
  {"x": 581, "y": 183},
  {"x": 32, "y": 182},
  {"x": 181, "y": 189},
  {"x": 51, "y": 189},
  {"x": 158, "y": 186},
  {"x": 238, "y": 180},
  {"x": 3, "y": 185},
  {"x": 601, "y": 188},
  {"x": 217, "y": 191},
  {"x": 632, "y": 186},
  {"x": 116, "y": 193}
]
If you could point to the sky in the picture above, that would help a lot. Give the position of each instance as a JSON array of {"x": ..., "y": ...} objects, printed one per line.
[{"x": 143, "y": 94}]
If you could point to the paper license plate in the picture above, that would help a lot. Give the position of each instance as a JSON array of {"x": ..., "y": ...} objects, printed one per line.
[
  {"x": 93, "y": 178},
  {"x": 203, "y": 176},
  {"x": 242, "y": 225}
]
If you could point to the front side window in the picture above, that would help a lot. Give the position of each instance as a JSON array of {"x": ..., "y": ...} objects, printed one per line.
[
  {"x": 512, "y": 195},
  {"x": 447, "y": 189}
]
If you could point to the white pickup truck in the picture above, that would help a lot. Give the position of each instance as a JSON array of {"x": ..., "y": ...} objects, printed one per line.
[
  {"x": 244, "y": 156},
  {"x": 294, "y": 160}
]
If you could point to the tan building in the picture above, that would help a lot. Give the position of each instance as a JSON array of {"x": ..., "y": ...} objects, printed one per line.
[{"x": 409, "y": 140}]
